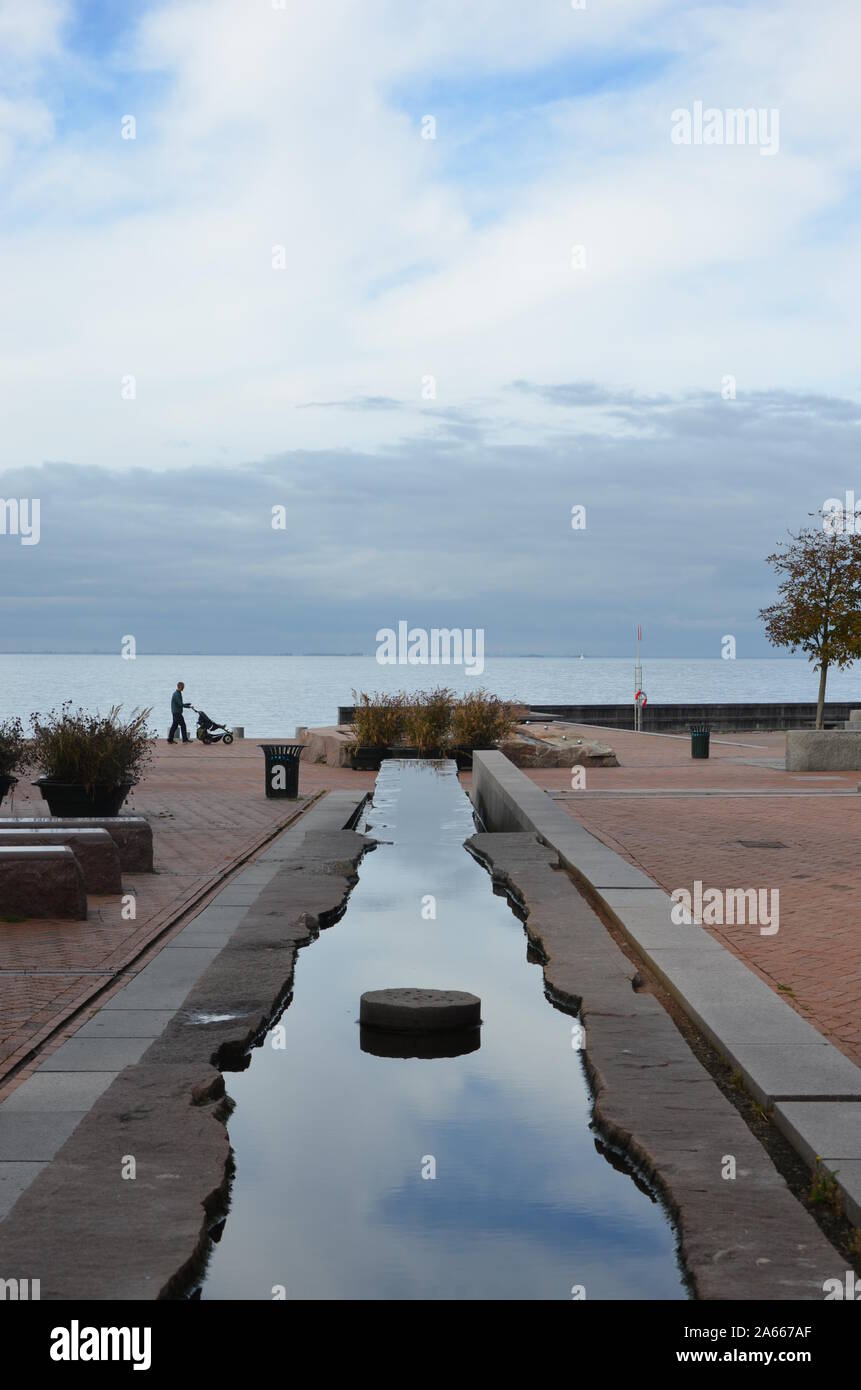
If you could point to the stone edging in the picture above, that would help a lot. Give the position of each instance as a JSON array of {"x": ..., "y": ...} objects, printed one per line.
[{"x": 785, "y": 1063}]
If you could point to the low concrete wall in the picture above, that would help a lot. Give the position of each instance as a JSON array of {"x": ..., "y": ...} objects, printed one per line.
[
  {"x": 678, "y": 718},
  {"x": 506, "y": 799},
  {"x": 782, "y": 1059},
  {"x": 823, "y": 750}
]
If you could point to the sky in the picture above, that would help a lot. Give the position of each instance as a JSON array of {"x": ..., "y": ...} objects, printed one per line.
[{"x": 425, "y": 275}]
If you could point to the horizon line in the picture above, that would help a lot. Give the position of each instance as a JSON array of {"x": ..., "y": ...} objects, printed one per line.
[{"x": 489, "y": 656}]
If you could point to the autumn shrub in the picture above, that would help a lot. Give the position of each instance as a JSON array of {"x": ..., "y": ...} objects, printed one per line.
[
  {"x": 378, "y": 719},
  {"x": 91, "y": 750},
  {"x": 427, "y": 719},
  {"x": 13, "y": 747},
  {"x": 480, "y": 720}
]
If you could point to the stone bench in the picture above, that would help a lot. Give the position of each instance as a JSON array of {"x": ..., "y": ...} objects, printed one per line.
[
  {"x": 132, "y": 835},
  {"x": 93, "y": 848},
  {"x": 41, "y": 881},
  {"x": 822, "y": 750}
]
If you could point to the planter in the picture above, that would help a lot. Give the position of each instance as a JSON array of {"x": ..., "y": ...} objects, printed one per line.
[
  {"x": 74, "y": 799},
  {"x": 367, "y": 758},
  {"x": 7, "y": 782},
  {"x": 463, "y": 758}
]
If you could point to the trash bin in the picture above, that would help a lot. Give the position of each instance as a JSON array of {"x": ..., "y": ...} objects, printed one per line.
[
  {"x": 700, "y": 741},
  {"x": 282, "y": 768}
]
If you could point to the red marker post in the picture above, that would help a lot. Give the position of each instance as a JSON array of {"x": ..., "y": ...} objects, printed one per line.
[{"x": 640, "y": 695}]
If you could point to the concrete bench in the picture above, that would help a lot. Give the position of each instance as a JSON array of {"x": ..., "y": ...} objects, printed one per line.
[
  {"x": 822, "y": 750},
  {"x": 132, "y": 835},
  {"x": 41, "y": 881},
  {"x": 93, "y": 848}
]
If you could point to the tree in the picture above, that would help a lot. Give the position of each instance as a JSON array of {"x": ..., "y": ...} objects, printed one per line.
[{"x": 819, "y": 609}]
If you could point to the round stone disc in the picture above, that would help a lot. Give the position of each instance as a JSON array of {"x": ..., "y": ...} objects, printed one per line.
[{"x": 419, "y": 1010}]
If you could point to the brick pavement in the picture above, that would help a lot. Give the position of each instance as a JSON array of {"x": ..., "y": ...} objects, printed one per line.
[
  {"x": 209, "y": 814},
  {"x": 814, "y": 960}
]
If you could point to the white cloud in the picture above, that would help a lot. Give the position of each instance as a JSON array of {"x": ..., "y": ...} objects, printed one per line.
[
  {"x": 30, "y": 32},
  {"x": 259, "y": 127},
  {"x": 29, "y": 37}
]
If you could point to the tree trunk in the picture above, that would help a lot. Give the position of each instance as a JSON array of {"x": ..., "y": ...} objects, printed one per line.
[{"x": 820, "y": 703}]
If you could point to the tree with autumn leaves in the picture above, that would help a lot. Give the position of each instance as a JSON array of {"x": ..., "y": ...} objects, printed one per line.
[{"x": 819, "y": 608}]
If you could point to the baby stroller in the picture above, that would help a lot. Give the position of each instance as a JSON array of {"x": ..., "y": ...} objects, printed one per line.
[{"x": 207, "y": 729}]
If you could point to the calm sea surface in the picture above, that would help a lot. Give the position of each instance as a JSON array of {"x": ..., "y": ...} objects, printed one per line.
[{"x": 271, "y": 695}]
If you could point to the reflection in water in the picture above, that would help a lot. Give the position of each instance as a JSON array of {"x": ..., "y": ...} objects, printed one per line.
[
  {"x": 454, "y": 1042},
  {"x": 472, "y": 1175}
]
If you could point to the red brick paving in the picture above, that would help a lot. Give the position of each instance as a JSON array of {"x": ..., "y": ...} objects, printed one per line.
[
  {"x": 814, "y": 960},
  {"x": 209, "y": 814}
]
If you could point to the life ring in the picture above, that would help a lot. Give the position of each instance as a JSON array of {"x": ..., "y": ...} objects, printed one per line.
[{"x": 640, "y": 699}]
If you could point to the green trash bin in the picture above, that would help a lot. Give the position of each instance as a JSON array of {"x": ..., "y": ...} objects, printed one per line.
[
  {"x": 700, "y": 741},
  {"x": 282, "y": 768}
]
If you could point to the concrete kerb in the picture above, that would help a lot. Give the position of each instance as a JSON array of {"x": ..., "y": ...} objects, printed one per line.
[
  {"x": 655, "y": 1102},
  {"x": 827, "y": 1134},
  {"x": 781, "y": 1058}
]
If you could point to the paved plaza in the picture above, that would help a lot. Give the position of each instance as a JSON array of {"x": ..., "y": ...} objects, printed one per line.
[
  {"x": 738, "y": 820},
  {"x": 209, "y": 815}
]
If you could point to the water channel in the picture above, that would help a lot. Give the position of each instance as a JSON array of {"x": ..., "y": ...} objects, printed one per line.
[{"x": 475, "y": 1176}]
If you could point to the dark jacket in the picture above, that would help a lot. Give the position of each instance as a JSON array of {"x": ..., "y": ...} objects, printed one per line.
[{"x": 176, "y": 703}]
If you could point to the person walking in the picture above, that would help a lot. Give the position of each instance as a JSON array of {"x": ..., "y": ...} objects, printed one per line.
[{"x": 177, "y": 705}]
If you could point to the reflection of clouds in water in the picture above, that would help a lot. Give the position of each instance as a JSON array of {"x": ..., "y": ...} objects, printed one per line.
[{"x": 329, "y": 1140}]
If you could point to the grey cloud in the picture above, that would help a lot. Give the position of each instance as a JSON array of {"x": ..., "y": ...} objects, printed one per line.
[
  {"x": 461, "y": 525},
  {"x": 585, "y": 393},
  {"x": 355, "y": 403}
]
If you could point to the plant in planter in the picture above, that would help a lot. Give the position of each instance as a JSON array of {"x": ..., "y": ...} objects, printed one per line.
[
  {"x": 378, "y": 721},
  {"x": 427, "y": 721},
  {"x": 89, "y": 762},
  {"x": 13, "y": 753},
  {"x": 479, "y": 720}
]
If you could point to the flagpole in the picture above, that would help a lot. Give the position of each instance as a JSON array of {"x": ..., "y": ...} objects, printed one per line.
[{"x": 638, "y": 683}]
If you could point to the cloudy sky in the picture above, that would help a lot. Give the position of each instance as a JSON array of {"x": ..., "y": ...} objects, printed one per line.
[{"x": 280, "y": 292}]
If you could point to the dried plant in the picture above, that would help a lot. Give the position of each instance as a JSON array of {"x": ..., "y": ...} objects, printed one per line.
[
  {"x": 481, "y": 720},
  {"x": 13, "y": 747},
  {"x": 91, "y": 750},
  {"x": 378, "y": 719},
  {"x": 427, "y": 720}
]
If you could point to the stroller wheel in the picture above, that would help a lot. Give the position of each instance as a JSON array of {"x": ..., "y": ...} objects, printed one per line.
[{"x": 228, "y": 738}]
